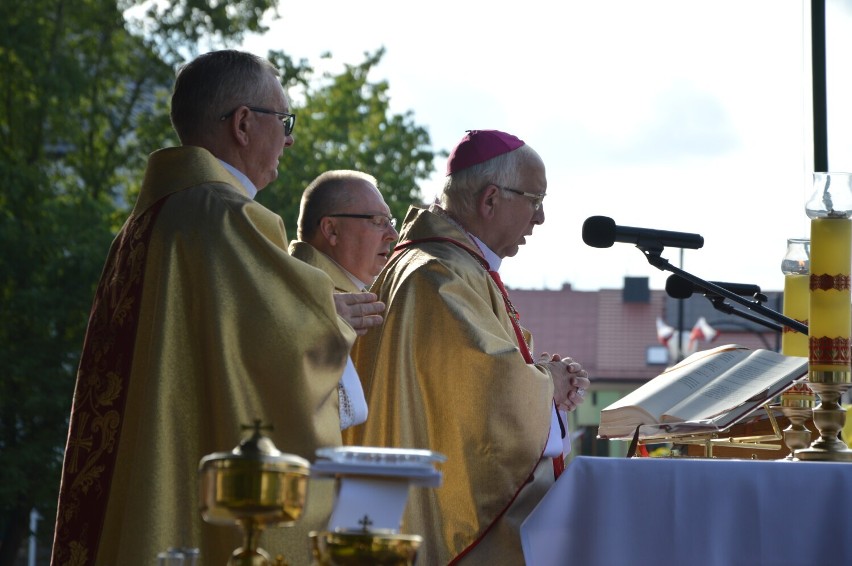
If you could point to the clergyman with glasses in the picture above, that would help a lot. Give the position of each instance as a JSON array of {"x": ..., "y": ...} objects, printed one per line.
[
  {"x": 452, "y": 370},
  {"x": 202, "y": 323},
  {"x": 345, "y": 228}
]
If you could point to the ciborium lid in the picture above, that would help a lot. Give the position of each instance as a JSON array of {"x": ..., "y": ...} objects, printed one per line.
[{"x": 258, "y": 448}]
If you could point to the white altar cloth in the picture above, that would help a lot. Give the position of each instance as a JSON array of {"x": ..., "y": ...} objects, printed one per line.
[{"x": 694, "y": 512}]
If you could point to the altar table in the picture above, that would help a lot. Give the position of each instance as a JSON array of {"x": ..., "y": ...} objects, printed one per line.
[{"x": 693, "y": 512}]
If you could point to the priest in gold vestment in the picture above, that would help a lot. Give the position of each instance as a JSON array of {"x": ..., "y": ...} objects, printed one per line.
[
  {"x": 451, "y": 369},
  {"x": 202, "y": 323},
  {"x": 346, "y": 230}
]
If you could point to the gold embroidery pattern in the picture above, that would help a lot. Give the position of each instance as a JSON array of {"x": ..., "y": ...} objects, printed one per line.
[{"x": 100, "y": 396}]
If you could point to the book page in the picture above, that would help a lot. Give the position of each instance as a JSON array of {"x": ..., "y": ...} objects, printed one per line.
[
  {"x": 759, "y": 372},
  {"x": 662, "y": 393}
]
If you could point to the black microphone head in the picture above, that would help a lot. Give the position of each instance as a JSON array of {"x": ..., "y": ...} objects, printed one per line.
[
  {"x": 599, "y": 231},
  {"x": 678, "y": 288}
]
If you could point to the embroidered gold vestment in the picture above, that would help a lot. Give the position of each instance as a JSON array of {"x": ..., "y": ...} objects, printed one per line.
[
  {"x": 202, "y": 323},
  {"x": 445, "y": 373}
]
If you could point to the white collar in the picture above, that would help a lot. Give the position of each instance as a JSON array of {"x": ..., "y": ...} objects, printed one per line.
[
  {"x": 246, "y": 182},
  {"x": 493, "y": 259}
]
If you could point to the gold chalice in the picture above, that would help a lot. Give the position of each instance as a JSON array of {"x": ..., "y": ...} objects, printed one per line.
[
  {"x": 372, "y": 485},
  {"x": 253, "y": 486},
  {"x": 364, "y": 548}
]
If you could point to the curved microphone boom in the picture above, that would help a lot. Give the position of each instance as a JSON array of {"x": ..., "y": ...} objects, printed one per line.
[
  {"x": 602, "y": 232},
  {"x": 679, "y": 288}
]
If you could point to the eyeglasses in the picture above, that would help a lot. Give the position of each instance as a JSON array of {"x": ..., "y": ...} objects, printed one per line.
[
  {"x": 537, "y": 198},
  {"x": 377, "y": 220},
  {"x": 288, "y": 120}
]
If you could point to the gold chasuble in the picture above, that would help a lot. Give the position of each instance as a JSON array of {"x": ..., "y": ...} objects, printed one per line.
[
  {"x": 445, "y": 373},
  {"x": 202, "y": 322},
  {"x": 312, "y": 256}
]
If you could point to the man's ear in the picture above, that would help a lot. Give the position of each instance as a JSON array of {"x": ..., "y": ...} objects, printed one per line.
[
  {"x": 329, "y": 230},
  {"x": 486, "y": 201},
  {"x": 238, "y": 125}
]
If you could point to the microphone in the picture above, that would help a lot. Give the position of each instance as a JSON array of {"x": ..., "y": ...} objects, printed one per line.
[
  {"x": 679, "y": 288},
  {"x": 602, "y": 232}
]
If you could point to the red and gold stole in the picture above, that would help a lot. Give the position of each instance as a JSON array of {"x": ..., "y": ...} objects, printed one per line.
[{"x": 100, "y": 395}]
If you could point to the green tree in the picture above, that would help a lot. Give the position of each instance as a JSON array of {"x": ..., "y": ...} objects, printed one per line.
[{"x": 345, "y": 123}]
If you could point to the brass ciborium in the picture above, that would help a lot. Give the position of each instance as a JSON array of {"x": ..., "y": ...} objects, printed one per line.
[{"x": 253, "y": 486}]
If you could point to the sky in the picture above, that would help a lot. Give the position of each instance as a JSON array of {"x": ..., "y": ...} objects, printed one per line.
[{"x": 685, "y": 115}]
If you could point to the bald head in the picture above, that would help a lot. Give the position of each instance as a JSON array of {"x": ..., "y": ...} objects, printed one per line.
[
  {"x": 343, "y": 215},
  {"x": 329, "y": 193}
]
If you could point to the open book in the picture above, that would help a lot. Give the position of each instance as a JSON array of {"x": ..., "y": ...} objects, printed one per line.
[{"x": 718, "y": 387}]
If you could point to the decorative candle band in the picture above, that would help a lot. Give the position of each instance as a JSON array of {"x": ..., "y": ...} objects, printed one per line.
[
  {"x": 829, "y": 351},
  {"x": 826, "y": 282}
]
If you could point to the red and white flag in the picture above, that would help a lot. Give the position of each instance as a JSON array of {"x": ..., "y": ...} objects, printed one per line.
[
  {"x": 664, "y": 332},
  {"x": 701, "y": 331}
]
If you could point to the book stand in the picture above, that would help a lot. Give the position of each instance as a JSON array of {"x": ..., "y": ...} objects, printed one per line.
[{"x": 701, "y": 438}]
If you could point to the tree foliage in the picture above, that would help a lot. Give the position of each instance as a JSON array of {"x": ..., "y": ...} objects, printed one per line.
[
  {"x": 73, "y": 85},
  {"x": 83, "y": 101},
  {"x": 345, "y": 123}
]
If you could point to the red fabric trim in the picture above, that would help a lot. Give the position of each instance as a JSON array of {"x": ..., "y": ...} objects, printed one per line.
[
  {"x": 472, "y": 545},
  {"x": 100, "y": 397},
  {"x": 519, "y": 335},
  {"x": 558, "y": 467}
]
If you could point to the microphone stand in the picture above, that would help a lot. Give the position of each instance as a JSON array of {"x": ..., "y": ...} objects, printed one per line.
[
  {"x": 720, "y": 305},
  {"x": 652, "y": 251}
]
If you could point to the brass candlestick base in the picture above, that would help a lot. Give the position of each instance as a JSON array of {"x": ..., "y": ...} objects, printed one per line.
[
  {"x": 829, "y": 417},
  {"x": 797, "y": 435},
  {"x": 364, "y": 548}
]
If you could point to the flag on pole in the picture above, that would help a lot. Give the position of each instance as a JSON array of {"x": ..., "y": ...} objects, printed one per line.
[
  {"x": 701, "y": 331},
  {"x": 664, "y": 332}
]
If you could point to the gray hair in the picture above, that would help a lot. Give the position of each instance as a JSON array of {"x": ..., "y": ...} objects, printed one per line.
[
  {"x": 214, "y": 84},
  {"x": 462, "y": 187},
  {"x": 327, "y": 194}
]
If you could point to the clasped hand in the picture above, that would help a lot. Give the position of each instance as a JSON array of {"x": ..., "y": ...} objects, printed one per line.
[
  {"x": 570, "y": 380},
  {"x": 360, "y": 310}
]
